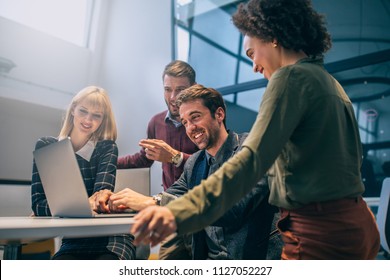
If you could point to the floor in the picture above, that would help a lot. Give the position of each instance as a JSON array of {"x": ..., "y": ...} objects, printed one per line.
[{"x": 154, "y": 254}]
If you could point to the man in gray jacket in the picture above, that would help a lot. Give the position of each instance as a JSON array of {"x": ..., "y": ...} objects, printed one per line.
[{"x": 244, "y": 231}]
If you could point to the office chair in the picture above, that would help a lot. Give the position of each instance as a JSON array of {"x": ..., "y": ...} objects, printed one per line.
[
  {"x": 369, "y": 180},
  {"x": 383, "y": 216}
]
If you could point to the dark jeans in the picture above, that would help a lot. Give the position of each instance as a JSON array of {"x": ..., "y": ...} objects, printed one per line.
[{"x": 105, "y": 256}]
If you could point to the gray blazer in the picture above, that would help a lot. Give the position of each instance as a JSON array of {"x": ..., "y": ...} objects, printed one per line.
[{"x": 243, "y": 231}]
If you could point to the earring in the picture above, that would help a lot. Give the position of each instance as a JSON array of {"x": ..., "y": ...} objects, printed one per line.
[{"x": 275, "y": 45}]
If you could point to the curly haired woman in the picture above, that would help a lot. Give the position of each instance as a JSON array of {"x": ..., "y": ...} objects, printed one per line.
[{"x": 305, "y": 137}]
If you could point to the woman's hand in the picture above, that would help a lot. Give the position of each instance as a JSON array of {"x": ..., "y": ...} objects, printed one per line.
[
  {"x": 152, "y": 225},
  {"x": 99, "y": 201}
]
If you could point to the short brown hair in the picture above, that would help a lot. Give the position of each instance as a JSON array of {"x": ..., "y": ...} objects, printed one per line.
[
  {"x": 210, "y": 97},
  {"x": 178, "y": 68}
]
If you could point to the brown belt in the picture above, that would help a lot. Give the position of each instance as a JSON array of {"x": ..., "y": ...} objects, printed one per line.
[{"x": 326, "y": 205}]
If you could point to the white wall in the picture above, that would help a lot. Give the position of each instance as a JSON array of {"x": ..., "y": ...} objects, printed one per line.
[
  {"x": 21, "y": 124},
  {"x": 133, "y": 44},
  {"x": 137, "y": 47},
  {"x": 48, "y": 70}
]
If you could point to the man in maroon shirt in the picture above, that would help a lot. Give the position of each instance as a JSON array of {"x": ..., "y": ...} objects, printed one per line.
[{"x": 167, "y": 140}]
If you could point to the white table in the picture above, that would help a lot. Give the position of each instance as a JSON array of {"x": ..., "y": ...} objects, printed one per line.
[{"x": 15, "y": 231}]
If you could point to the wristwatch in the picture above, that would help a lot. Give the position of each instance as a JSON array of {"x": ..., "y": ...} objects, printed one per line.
[
  {"x": 157, "y": 198},
  {"x": 176, "y": 159}
]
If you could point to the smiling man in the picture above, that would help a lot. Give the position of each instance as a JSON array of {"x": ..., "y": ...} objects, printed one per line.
[
  {"x": 244, "y": 231},
  {"x": 166, "y": 140}
]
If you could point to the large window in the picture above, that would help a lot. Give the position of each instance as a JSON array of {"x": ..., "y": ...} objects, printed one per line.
[
  {"x": 207, "y": 39},
  {"x": 359, "y": 59},
  {"x": 65, "y": 19}
]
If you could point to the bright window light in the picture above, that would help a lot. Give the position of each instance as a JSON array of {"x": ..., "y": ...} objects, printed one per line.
[
  {"x": 183, "y": 44},
  {"x": 183, "y": 2},
  {"x": 65, "y": 19}
]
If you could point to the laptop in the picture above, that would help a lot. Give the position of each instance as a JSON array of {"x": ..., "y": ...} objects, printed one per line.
[
  {"x": 137, "y": 179},
  {"x": 63, "y": 183}
]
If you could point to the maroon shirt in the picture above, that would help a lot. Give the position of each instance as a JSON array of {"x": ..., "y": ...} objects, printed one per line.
[{"x": 162, "y": 128}]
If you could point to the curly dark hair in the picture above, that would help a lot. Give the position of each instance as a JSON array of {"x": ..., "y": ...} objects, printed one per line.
[{"x": 294, "y": 24}]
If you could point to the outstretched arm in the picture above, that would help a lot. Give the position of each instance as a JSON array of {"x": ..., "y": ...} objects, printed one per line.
[{"x": 153, "y": 225}]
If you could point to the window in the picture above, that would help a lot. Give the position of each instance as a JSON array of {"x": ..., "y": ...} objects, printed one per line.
[
  {"x": 66, "y": 19},
  {"x": 359, "y": 60}
]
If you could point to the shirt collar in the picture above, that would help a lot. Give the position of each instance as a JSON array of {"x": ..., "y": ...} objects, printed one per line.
[
  {"x": 209, "y": 158},
  {"x": 87, "y": 150},
  {"x": 220, "y": 156},
  {"x": 311, "y": 59},
  {"x": 168, "y": 116}
]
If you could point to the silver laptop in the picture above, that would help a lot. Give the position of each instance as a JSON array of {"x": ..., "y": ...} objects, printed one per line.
[
  {"x": 137, "y": 179},
  {"x": 63, "y": 183}
]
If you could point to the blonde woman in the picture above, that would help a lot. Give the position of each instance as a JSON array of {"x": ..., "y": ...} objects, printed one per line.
[{"x": 90, "y": 124}]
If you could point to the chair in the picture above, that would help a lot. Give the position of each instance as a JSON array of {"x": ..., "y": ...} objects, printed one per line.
[
  {"x": 369, "y": 180},
  {"x": 383, "y": 216},
  {"x": 15, "y": 201}
]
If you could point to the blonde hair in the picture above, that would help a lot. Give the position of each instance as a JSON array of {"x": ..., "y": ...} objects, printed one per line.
[{"x": 98, "y": 98}]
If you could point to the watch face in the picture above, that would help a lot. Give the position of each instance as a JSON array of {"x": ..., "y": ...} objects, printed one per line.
[
  {"x": 176, "y": 158},
  {"x": 157, "y": 198}
]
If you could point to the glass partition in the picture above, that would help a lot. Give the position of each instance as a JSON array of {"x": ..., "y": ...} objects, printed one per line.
[{"x": 359, "y": 60}]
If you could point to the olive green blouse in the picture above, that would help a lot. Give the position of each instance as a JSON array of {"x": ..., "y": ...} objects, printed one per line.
[{"x": 306, "y": 137}]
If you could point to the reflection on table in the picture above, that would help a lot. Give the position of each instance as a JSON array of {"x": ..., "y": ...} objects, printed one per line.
[{"x": 15, "y": 231}]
